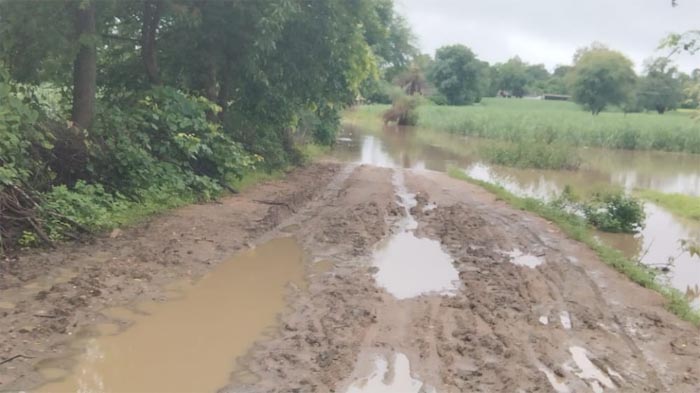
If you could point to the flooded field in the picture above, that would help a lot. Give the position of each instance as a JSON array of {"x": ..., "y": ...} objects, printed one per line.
[
  {"x": 657, "y": 244},
  {"x": 189, "y": 343}
]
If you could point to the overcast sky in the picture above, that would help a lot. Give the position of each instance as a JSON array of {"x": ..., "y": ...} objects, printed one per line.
[{"x": 550, "y": 31}]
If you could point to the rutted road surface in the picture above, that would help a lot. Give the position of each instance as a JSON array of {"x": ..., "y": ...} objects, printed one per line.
[{"x": 416, "y": 282}]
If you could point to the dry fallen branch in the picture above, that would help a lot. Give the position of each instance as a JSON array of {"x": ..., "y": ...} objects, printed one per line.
[{"x": 15, "y": 357}]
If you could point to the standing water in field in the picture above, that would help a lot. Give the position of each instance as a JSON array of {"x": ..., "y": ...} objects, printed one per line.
[
  {"x": 189, "y": 344},
  {"x": 665, "y": 172},
  {"x": 410, "y": 266}
]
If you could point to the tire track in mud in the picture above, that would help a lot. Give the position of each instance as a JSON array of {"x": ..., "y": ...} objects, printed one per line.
[
  {"x": 563, "y": 284},
  {"x": 489, "y": 337}
]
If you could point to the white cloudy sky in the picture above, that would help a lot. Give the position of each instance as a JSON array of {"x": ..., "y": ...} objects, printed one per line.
[{"x": 549, "y": 31}]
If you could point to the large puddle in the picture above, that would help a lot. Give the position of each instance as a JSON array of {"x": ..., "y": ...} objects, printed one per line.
[
  {"x": 189, "y": 344},
  {"x": 665, "y": 172},
  {"x": 410, "y": 266}
]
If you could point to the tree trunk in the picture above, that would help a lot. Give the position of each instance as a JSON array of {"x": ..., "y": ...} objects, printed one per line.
[
  {"x": 151, "y": 19},
  {"x": 210, "y": 91},
  {"x": 224, "y": 86},
  {"x": 85, "y": 67}
]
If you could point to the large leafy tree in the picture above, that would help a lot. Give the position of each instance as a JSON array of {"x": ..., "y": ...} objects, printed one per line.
[
  {"x": 661, "y": 88},
  {"x": 458, "y": 74},
  {"x": 601, "y": 77},
  {"x": 179, "y": 94},
  {"x": 511, "y": 76}
]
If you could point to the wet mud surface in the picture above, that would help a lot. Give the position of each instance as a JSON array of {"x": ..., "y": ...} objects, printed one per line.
[
  {"x": 349, "y": 334},
  {"x": 532, "y": 311},
  {"x": 50, "y": 297}
]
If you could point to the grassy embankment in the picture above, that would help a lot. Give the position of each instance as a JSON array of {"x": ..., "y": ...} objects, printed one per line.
[
  {"x": 687, "y": 206},
  {"x": 576, "y": 228}
]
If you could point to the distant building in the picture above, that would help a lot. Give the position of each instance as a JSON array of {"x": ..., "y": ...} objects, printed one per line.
[{"x": 556, "y": 97}]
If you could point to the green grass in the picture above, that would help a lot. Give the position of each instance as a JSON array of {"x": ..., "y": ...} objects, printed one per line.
[
  {"x": 529, "y": 154},
  {"x": 554, "y": 121},
  {"x": 578, "y": 229},
  {"x": 680, "y": 204}
]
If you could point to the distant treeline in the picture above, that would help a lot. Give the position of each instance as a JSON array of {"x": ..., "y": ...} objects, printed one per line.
[{"x": 597, "y": 78}]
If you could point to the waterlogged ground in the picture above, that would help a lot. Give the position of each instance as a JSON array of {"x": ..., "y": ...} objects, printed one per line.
[
  {"x": 351, "y": 278},
  {"x": 656, "y": 245}
]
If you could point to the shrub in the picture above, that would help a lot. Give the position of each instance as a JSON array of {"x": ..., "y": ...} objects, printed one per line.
[
  {"x": 403, "y": 111},
  {"x": 614, "y": 212}
]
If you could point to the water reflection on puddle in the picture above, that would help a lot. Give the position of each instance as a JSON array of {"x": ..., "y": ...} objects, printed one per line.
[
  {"x": 394, "y": 377},
  {"x": 189, "y": 344},
  {"x": 410, "y": 266}
]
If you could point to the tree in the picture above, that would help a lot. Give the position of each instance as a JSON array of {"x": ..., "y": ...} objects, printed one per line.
[
  {"x": 413, "y": 80},
  {"x": 660, "y": 89},
  {"x": 389, "y": 36},
  {"x": 691, "y": 89},
  {"x": 512, "y": 76},
  {"x": 458, "y": 74},
  {"x": 85, "y": 66},
  {"x": 152, "y": 10},
  {"x": 601, "y": 77}
]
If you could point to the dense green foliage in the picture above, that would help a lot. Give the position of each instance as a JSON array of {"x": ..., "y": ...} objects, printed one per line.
[
  {"x": 458, "y": 74},
  {"x": 614, "y": 212},
  {"x": 111, "y": 110},
  {"x": 601, "y": 77},
  {"x": 578, "y": 229},
  {"x": 661, "y": 89},
  {"x": 511, "y": 76}
]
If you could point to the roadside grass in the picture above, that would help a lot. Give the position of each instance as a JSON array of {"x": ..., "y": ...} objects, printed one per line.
[
  {"x": 576, "y": 228},
  {"x": 548, "y": 122},
  {"x": 680, "y": 204}
]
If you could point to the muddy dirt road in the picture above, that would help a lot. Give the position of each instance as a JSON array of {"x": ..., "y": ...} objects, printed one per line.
[{"x": 415, "y": 282}]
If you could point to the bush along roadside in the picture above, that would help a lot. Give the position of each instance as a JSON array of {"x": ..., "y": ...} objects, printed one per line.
[
  {"x": 164, "y": 151},
  {"x": 579, "y": 229}
]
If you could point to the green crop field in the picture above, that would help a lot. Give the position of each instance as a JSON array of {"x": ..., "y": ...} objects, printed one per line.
[{"x": 558, "y": 122}]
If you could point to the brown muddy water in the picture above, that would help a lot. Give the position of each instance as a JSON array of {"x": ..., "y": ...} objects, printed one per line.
[
  {"x": 655, "y": 245},
  {"x": 409, "y": 266},
  {"x": 189, "y": 343}
]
